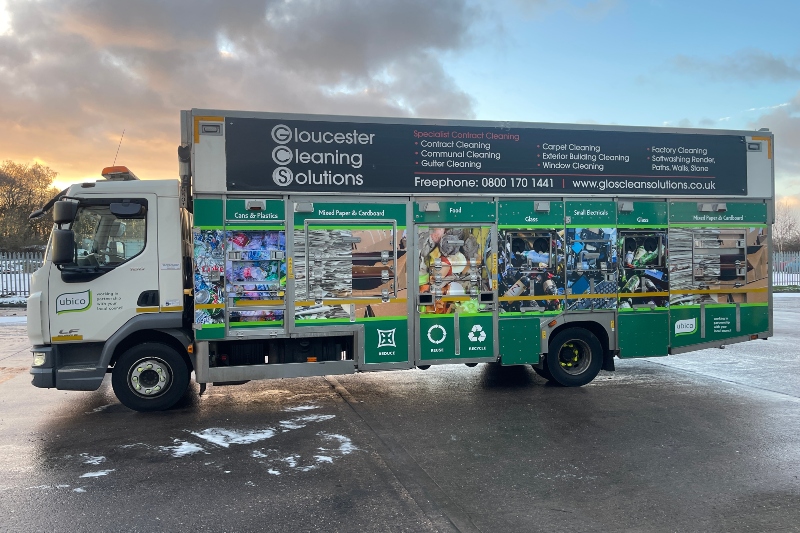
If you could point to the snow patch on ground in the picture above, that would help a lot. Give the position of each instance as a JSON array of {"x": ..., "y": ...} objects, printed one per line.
[
  {"x": 92, "y": 459},
  {"x": 276, "y": 463},
  {"x": 226, "y": 437},
  {"x": 346, "y": 446},
  {"x": 302, "y": 421},
  {"x": 182, "y": 448},
  {"x": 99, "y": 473},
  {"x": 301, "y": 408},
  {"x": 98, "y": 409}
]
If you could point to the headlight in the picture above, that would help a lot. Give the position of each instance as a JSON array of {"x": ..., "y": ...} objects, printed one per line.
[{"x": 39, "y": 358}]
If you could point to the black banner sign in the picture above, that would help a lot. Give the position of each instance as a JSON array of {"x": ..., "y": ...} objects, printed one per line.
[{"x": 348, "y": 157}]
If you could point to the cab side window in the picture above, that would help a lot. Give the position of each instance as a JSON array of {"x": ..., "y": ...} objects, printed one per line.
[{"x": 103, "y": 240}]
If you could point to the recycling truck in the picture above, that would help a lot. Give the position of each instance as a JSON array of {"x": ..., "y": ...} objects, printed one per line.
[{"x": 307, "y": 245}]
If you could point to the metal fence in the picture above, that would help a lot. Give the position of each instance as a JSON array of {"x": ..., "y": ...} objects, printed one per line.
[
  {"x": 786, "y": 268},
  {"x": 15, "y": 272}
]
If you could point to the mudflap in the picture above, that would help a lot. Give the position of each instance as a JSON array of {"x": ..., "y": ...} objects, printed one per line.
[{"x": 608, "y": 361}]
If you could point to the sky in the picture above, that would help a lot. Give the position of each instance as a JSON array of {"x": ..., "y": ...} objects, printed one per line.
[{"x": 75, "y": 74}]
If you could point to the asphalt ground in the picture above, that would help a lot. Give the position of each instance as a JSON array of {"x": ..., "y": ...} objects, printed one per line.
[{"x": 706, "y": 441}]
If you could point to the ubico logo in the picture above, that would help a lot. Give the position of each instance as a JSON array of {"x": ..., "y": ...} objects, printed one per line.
[
  {"x": 685, "y": 327},
  {"x": 73, "y": 301}
]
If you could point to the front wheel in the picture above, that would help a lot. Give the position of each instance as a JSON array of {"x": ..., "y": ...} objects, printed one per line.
[
  {"x": 150, "y": 377},
  {"x": 575, "y": 357}
]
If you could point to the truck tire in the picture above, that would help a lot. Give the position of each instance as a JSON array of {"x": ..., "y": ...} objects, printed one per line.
[
  {"x": 150, "y": 377},
  {"x": 574, "y": 358}
]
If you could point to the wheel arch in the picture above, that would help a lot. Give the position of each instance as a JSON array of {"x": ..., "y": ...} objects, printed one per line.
[
  {"x": 166, "y": 337},
  {"x": 165, "y": 328},
  {"x": 595, "y": 328}
]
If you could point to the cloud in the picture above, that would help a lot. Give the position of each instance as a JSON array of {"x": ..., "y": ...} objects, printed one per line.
[
  {"x": 750, "y": 65},
  {"x": 78, "y": 72},
  {"x": 784, "y": 122},
  {"x": 591, "y": 9}
]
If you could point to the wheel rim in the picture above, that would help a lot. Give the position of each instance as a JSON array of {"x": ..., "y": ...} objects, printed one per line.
[
  {"x": 574, "y": 357},
  {"x": 150, "y": 377}
]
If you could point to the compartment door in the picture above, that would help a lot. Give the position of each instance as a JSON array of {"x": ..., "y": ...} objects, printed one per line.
[
  {"x": 457, "y": 294},
  {"x": 352, "y": 272}
]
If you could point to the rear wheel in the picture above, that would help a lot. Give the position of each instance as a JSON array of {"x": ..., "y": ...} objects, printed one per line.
[
  {"x": 575, "y": 357},
  {"x": 150, "y": 377}
]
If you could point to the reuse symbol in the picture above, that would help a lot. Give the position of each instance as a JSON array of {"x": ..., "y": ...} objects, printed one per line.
[{"x": 431, "y": 330}]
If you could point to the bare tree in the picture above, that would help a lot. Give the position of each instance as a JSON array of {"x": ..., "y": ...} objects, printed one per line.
[
  {"x": 24, "y": 188},
  {"x": 786, "y": 230}
]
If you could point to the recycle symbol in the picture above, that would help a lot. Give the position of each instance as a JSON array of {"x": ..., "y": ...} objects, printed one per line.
[{"x": 481, "y": 335}]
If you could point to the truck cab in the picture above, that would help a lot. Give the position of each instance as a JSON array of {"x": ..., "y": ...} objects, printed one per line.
[{"x": 112, "y": 283}]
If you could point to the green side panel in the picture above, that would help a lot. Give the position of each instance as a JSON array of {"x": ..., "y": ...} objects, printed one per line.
[
  {"x": 591, "y": 214},
  {"x": 477, "y": 338},
  {"x": 721, "y": 322},
  {"x": 735, "y": 213},
  {"x": 684, "y": 325},
  {"x": 250, "y": 325},
  {"x": 520, "y": 340},
  {"x": 210, "y": 333},
  {"x": 523, "y": 214},
  {"x": 386, "y": 341},
  {"x": 354, "y": 211},
  {"x": 208, "y": 212},
  {"x": 644, "y": 214},
  {"x": 754, "y": 319},
  {"x": 643, "y": 333},
  {"x": 450, "y": 212},
  {"x": 236, "y": 211},
  {"x": 437, "y": 337}
]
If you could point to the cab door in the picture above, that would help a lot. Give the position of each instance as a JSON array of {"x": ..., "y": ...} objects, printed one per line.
[{"x": 114, "y": 274}]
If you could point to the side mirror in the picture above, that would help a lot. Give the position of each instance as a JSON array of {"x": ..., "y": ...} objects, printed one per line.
[
  {"x": 64, "y": 211},
  {"x": 63, "y": 246}
]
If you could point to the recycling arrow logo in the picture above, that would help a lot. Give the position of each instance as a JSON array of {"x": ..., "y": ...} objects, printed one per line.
[{"x": 477, "y": 334}]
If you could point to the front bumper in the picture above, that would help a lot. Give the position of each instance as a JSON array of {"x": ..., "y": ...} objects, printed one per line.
[{"x": 85, "y": 377}]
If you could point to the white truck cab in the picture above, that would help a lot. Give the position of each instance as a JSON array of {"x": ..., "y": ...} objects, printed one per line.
[{"x": 111, "y": 291}]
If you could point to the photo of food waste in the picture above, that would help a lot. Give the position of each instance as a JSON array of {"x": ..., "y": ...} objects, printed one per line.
[
  {"x": 716, "y": 259},
  {"x": 350, "y": 263},
  {"x": 591, "y": 256},
  {"x": 453, "y": 262},
  {"x": 530, "y": 264},
  {"x": 209, "y": 288},
  {"x": 256, "y": 273},
  {"x": 643, "y": 261}
]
